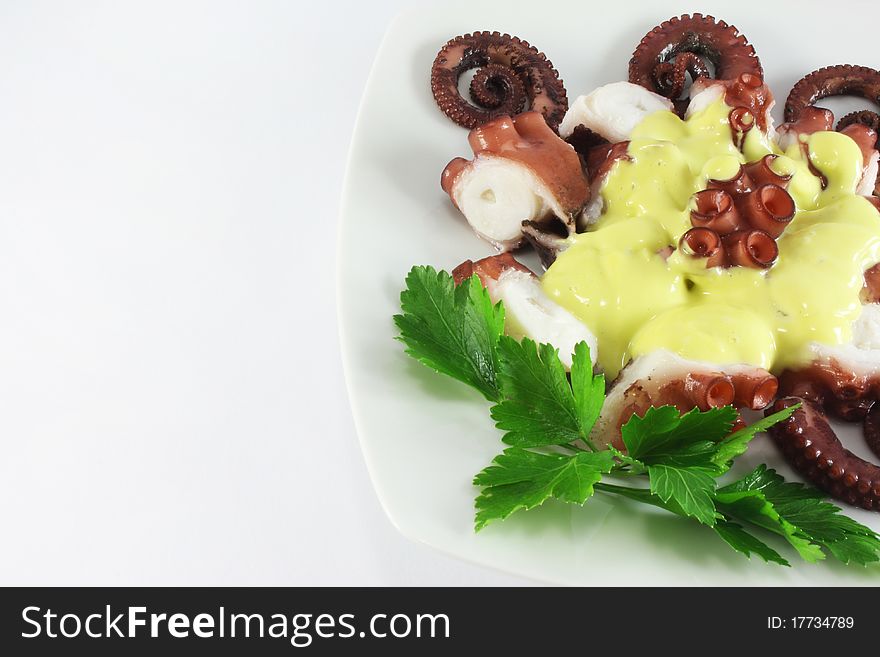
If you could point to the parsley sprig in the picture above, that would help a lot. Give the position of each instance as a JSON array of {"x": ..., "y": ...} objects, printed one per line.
[{"x": 672, "y": 461}]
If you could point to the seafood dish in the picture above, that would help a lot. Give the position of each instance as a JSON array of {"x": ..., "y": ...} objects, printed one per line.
[{"x": 707, "y": 256}]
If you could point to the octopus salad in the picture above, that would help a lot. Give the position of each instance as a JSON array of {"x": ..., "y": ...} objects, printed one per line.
[{"x": 707, "y": 256}]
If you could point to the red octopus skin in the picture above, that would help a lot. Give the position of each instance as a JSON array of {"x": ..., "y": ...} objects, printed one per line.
[
  {"x": 871, "y": 290},
  {"x": 866, "y": 118},
  {"x": 833, "y": 387},
  {"x": 512, "y": 74},
  {"x": 529, "y": 141},
  {"x": 488, "y": 269},
  {"x": 584, "y": 141},
  {"x": 736, "y": 221},
  {"x": 761, "y": 172},
  {"x": 810, "y": 445},
  {"x": 843, "y": 79},
  {"x": 750, "y": 98},
  {"x": 865, "y": 138},
  {"x": 871, "y": 429},
  {"x": 677, "y": 41},
  {"x": 672, "y": 76},
  {"x": 602, "y": 158},
  {"x": 811, "y": 119}
]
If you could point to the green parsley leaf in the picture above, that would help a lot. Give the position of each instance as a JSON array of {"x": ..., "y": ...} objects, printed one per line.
[
  {"x": 663, "y": 432},
  {"x": 763, "y": 478},
  {"x": 678, "y": 451},
  {"x": 814, "y": 519},
  {"x": 589, "y": 389},
  {"x": 451, "y": 329},
  {"x": 539, "y": 406},
  {"x": 643, "y": 434},
  {"x": 635, "y": 466},
  {"x": 753, "y": 507},
  {"x": 690, "y": 487},
  {"x": 522, "y": 479},
  {"x": 737, "y": 443},
  {"x": 741, "y": 541}
]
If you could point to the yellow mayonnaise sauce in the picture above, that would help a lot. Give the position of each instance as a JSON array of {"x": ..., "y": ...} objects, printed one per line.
[{"x": 614, "y": 280}]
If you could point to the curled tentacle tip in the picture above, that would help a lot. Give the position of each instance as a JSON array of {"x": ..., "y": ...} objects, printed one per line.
[
  {"x": 866, "y": 118},
  {"x": 842, "y": 79},
  {"x": 681, "y": 46},
  {"x": 511, "y": 76},
  {"x": 741, "y": 119}
]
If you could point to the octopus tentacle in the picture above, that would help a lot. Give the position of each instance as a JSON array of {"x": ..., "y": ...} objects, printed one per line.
[
  {"x": 866, "y": 118},
  {"x": 521, "y": 171},
  {"x": 751, "y": 248},
  {"x": 761, "y": 172},
  {"x": 548, "y": 239},
  {"x": 703, "y": 242},
  {"x": 671, "y": 77},
  {"x": 867, "y": 140},
  {"x": 709, "y": 391},
  {"x": 584, "y": 140},
  {"x": 754, "y": 391},
  {"x": 865, "y": 137},
  {"x": 849, "y": 410},
  {"x": 493, "y": 88},
  {"x": 512, "y": 75},
  {"x": 488, "y": 269},
  {"x": 871, "y": 290},
  {"x": 714, "y": 208},
  {"x": 741, "y": 121},
  {"x": 871, "y": 429},
  {"x": 834, "y": 387},
  {"x": 749, "y": 97},
  {"x": 739, "y": 183},
  {"x": 662, "y": 378},
  {"x": 599, "y": 159},
  {"x": 769, "y": 208},
  {"x": 810, "y": 445},
  {"x": 746, "y": 219},
  {"x": 811, "y": 119},
  {"x": 843, "y": 79},
  {"x": 680, "y": 44},
  {"x": 530, "y": 312}
]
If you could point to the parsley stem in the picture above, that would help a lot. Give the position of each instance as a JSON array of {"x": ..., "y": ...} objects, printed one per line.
[
  {"x": 626, "y": 473},
  {"x": 638, "y": 494},
  {"x": 586, "y": 441},
  {"x": 576, "y": 446}
]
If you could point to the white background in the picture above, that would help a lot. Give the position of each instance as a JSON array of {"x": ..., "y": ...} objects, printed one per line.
[{"x": 172, "y": 407}]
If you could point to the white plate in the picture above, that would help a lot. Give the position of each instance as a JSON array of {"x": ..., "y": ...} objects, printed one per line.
[{"x": 425, "y": 436}]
